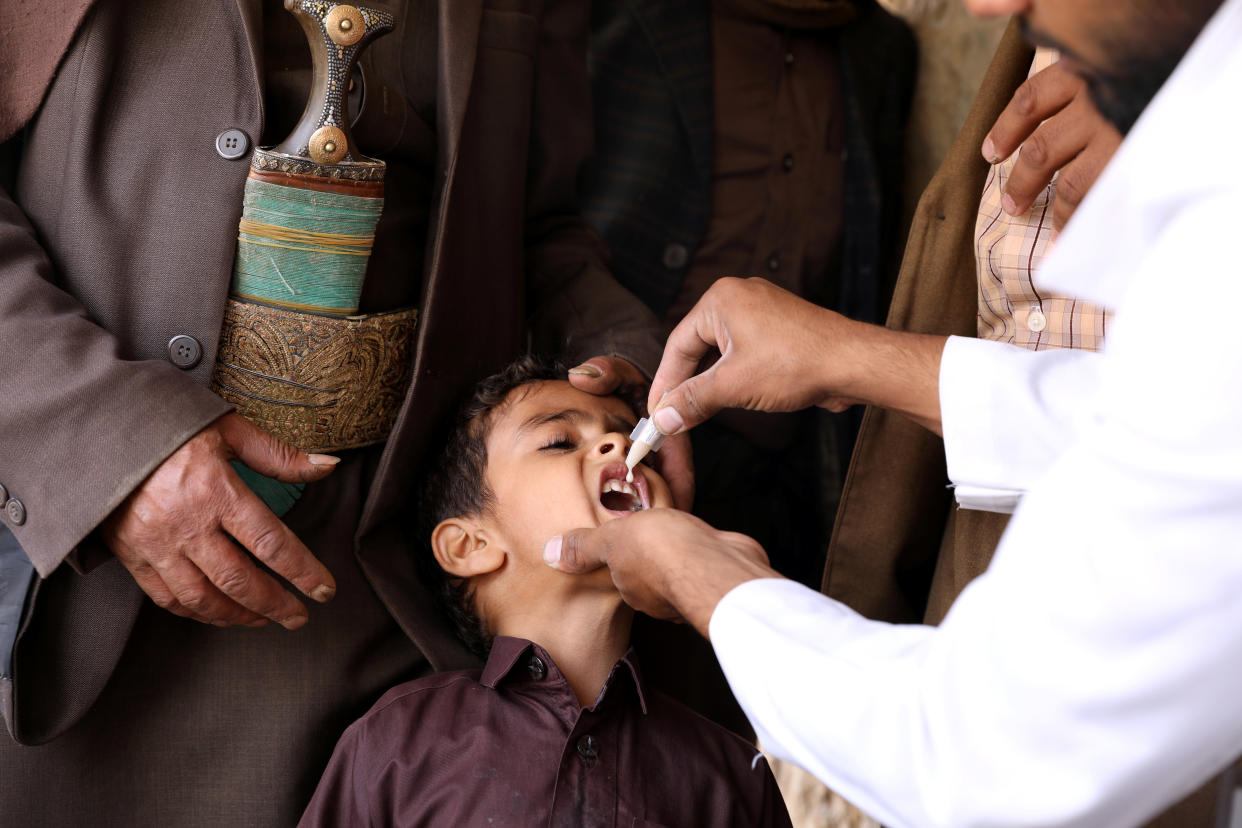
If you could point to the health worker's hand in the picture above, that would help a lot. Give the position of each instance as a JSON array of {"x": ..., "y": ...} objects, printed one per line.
[
  {"x": 603, "y": 375},
  {"x": 188, "y": 532},
  {"x": 666, "y": 563},
  {"x": 781, "y": 353},
  {"x": 1051, "y": 117}
]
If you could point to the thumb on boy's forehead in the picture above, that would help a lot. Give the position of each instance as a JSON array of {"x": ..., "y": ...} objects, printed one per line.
[{"x": 575, "y": 552}]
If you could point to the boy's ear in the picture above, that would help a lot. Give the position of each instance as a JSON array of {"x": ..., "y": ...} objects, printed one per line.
[{"x": 465, "y": 549}]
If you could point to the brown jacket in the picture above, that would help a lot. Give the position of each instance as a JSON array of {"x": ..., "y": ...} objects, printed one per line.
[
  {"x": 119, "y": 233},
  {"x": 899, "y": 553}
]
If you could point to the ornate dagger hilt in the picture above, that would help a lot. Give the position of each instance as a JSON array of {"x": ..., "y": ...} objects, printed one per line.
[{"x": 337, "y": 33}]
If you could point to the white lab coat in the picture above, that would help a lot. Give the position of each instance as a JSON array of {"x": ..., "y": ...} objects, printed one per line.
[{"x": 1093, "y": 675}]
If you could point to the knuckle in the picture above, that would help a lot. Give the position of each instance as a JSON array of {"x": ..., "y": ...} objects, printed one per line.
[
  {"x": 1035, "y": 151},
  {"x": 1071, "y": 187},
  {"x": 691, "y": 397},
  {"x": 163, "y": 600},
  {"x": 268, "y": 545},
  {"x": 193, "y": 599},
  {"x": 1026, "y": 100},
  {"x": 234, "y": 580}
]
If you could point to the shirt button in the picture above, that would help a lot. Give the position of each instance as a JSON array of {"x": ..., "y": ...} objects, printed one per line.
[
  {"x": 787, "y": 162},
  {"x": 588, "y": 748},
  {"x": 184, "y": 351},
  {"x": 537, "y": 669},
  {"x": 232, "y": 144},
  {"x": 774, "y": 262},
  {"x": 676, "y": 256},
  {"x": 16, "y": 511},
  {"x": 789, "y": 58},
  {"x": 1036, "y": 321}
]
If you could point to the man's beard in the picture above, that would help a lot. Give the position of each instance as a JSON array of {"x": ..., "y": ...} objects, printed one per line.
[
  {"x": 1138, "y": 61},
  {"x": 1120, "y": 98}
]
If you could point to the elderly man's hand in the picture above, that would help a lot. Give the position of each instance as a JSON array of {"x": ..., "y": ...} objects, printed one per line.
[
  {"x": 604, "y": 375},
  {"x": 188, "y": 532},
  {"x": 665, "y": 563},
  {"x": 1052, "y": 118}
]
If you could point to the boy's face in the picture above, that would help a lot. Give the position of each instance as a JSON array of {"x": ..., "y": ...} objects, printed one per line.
[{"x": 555, "y": 462}]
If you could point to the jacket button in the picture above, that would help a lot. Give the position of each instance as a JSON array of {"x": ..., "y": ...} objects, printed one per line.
[
  {"x": 232, "y": 144},
  {"x": 16, "y": 511},
  {"x": 184, "y": 351},
  {"x": 537, "y": 669},
  {"x": 676, "y": 256},
  {"x": 588, "y": 748},
  {"x": 774, "y": 262},
  {"x": 787, "y": 162}
]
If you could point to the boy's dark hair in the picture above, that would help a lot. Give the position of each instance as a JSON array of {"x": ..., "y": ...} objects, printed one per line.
[{"x": 457, "y": 487}]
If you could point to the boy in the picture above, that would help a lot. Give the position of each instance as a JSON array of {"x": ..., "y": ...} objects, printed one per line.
[{"x": 561, "y": 732}]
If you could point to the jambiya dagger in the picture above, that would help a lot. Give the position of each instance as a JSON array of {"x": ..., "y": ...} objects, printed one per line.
[{"x": 295, "y": 357}]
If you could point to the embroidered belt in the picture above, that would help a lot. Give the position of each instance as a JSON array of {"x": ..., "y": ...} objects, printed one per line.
[{"x": 320, "y": 383}]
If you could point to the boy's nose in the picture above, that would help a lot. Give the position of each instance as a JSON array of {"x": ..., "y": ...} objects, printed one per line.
[{"x": 610, "y": 444}]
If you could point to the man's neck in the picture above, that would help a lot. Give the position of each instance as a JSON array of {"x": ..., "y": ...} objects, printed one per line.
[{"x": 585, "y": 638}]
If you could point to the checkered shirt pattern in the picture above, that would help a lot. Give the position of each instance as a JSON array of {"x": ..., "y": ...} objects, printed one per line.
[{"x": 1008, "y": 249}]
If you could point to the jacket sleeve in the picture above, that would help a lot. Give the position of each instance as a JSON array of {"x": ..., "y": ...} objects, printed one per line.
[
  {"x": 80, "y": 425},
  {"x": 578, "y": 308}
]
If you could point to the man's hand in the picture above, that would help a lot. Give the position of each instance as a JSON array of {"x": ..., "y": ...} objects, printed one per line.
[
  {"x": 603, "y": 375},
  {"x": 1052, "y": 118},
  {"x": 665, "y": 563},
  {"x": 781, "y": 353},
  {"x": 185, "y": 532}
]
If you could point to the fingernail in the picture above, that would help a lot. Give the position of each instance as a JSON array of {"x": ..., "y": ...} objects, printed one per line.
[
  {"x": 989, "y": 151},
  {"x": 294, "y": 622},
  {"x": 1008, "y": 205},
  {"x": 322, "y": 459},
  {"x": 552, "y": 551},
  {"x": 586, "y": 369},
  {"x": 323, "y": 593},
  {"x": 668, "y": 420}
]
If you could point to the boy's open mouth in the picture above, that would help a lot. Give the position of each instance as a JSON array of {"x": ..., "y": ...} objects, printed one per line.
[{"x": 620, "y": 497}]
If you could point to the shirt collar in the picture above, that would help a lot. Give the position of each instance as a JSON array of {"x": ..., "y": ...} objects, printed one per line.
[
  {"x": 509, "y": 661},
  {"x": 1175, "y": 155}
]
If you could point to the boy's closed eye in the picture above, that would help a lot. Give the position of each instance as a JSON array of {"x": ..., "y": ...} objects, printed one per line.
[{"x": 560, "y": 442}]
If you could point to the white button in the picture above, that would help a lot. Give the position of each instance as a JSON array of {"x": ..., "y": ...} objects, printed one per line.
[{"x": 1036, "y": 321}]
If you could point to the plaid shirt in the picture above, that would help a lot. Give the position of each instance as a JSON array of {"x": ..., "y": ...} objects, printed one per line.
[{"x": 1007, "y": 251}]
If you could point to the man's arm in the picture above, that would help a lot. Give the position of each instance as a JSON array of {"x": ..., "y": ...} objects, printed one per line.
[{"x": 91, "y": 440}]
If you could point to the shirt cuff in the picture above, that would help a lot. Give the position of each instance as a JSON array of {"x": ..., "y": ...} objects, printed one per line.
[{"x": 1007, "y": 413}]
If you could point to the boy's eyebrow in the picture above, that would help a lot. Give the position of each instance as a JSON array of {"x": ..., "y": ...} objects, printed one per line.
[{"x": 571, "y": 415}]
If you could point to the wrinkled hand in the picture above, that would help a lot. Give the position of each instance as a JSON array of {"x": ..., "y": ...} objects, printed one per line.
[
  {"x": 604, "y": 375},
  {"x": 1052, "y": 118},
  {"x": 777, "y": 353},
  {"x": 666, "y": 563},
  {"x": 188, "y": 532}
]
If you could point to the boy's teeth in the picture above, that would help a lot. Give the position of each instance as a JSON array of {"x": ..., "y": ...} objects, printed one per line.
[{"x": 631, "y": 502}]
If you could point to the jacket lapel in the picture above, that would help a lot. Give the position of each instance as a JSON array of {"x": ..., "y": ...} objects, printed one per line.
[
  {"x": 459, "y": 42},
  {"x": 252, "y": 21}
]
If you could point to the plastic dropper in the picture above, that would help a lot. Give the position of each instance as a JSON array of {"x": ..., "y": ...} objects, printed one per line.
[{"x": 644, "y": 438}]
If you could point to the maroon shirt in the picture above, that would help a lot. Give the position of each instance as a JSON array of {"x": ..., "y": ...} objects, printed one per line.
[{"x": 510, "y": 746}]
